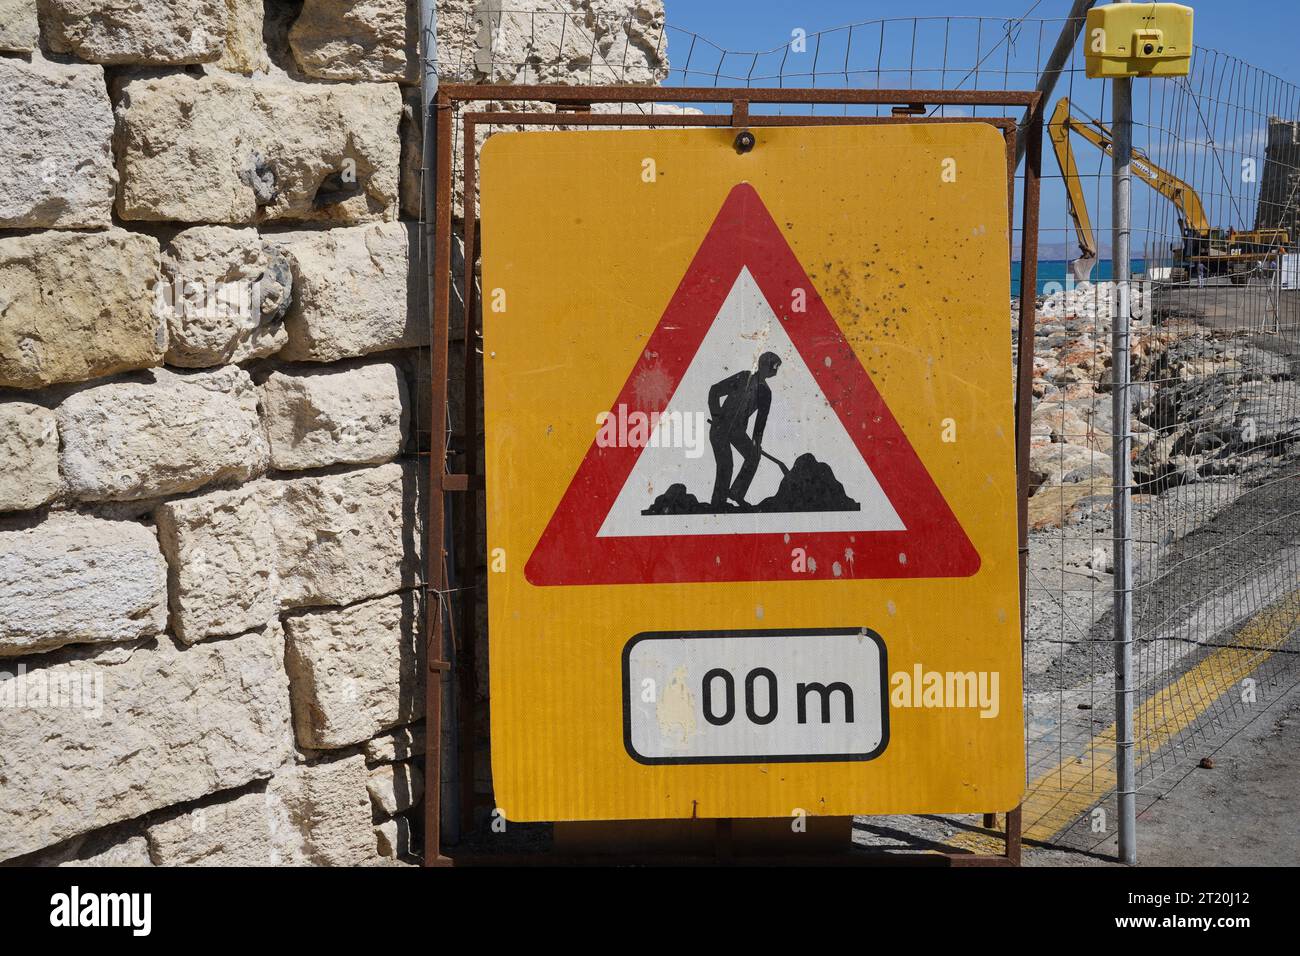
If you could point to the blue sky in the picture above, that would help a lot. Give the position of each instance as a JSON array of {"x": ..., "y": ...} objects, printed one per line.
[
  {"x": 1264, "y": 32},
  {"x": 1206, "y": 148}
]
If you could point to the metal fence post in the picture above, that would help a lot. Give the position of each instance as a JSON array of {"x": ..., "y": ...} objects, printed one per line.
[
  {"x": 438, "y": 826},
  {"x": 1070, "y": 31},
  {"x": 1277, "y": 290},
  {"x": 1121, "y": 450}
]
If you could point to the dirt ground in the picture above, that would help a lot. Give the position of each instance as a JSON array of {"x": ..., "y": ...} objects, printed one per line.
[{"x": 1245, "y": 811}]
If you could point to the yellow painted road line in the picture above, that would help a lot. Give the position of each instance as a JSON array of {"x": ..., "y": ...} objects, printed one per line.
[{"x": 1059, "y": 797}]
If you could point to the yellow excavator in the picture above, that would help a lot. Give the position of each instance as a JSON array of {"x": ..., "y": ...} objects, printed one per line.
[{"x": 1204, "y": 251}]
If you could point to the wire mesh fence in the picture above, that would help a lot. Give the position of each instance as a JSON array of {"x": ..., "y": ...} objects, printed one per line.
[
  {"x": 1217, "y": 404},
  {"x": 1215, "y": 355}
]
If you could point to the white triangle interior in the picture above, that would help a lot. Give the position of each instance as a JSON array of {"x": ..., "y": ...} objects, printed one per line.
[{"x": 801, "y": 420}]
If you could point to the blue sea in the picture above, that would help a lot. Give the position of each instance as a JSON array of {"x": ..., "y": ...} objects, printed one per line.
[{"x": 1054, "y": 270}]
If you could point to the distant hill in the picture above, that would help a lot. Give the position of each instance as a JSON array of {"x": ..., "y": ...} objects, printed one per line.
[{"x": 1063, "y": 250}]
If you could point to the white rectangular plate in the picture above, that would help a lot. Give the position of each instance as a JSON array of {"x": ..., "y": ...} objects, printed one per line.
[{"x": 755, "y": 696}]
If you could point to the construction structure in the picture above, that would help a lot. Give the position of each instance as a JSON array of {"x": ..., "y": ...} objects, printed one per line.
[{"x": 1279, "y": 184}]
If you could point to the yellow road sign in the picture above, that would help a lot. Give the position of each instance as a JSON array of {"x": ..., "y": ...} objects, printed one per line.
[{"x": 750, "y": 465}]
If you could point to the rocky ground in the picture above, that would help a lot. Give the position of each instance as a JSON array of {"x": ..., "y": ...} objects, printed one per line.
[
  {"x": 1216, "y": 415},
  {"x": 1216, "y": 449}
]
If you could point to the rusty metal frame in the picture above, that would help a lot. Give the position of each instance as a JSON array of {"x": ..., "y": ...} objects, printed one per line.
[{"x": 573, "y": 108}]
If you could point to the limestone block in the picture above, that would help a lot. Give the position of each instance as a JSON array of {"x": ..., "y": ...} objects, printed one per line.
[
  {"x": 396, "y": 745},
  {"x": 223, "y": 296},
  {"x": 29, "y": 456},
  {"x": 76, "y": 305},
  {"x": 395, "y": 787},
  {"x": 329, "y": 800},
  {"x": 412, "y": 153},
  {"x": 458, "y": 29},
  {"x": 220, "y": 148},
  {"x": 75, "y": 579},
  {"x": 570, "y": 41},
  {"x": 355, "y": 671},
  {"x": 151, "y": 32},
  {"x": 56, "y": 139},
  {"x": 343, "y": 538},
  {"x": 114, "y": 846},
  {"x": 171, "y": 725},
  {"x": 244, "y": 51},
  {"x": 222, "y": 574},
  {"x": 18, "y": 26},
  {"x": 368, "y": 40},
  {"x": 316, "y": 814},
  {"x": 252, "y": 829},
  {"x": 394, "y": 838},
  {"x": 334, "y": 416},
  {"x": 173, "y": 433},
  {"x": 354, "y": 292},
  {"x": 133, "y": 851}
]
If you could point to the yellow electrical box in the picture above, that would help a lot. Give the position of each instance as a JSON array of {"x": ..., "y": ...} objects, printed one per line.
[{"x": 1138, "y": 39}]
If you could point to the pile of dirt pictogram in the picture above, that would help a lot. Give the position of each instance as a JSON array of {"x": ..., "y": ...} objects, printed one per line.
[
  {"x": 678, "y": 501},
  {"x": 809, "y": 485}
]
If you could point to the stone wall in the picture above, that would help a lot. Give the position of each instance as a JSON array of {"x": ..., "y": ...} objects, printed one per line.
[{"x": 210, "y": 353}]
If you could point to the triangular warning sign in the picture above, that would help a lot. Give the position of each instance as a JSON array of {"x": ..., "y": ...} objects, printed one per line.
[{"x": 749, "y": 443}]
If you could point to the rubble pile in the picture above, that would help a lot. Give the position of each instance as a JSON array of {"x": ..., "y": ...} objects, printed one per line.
[{"x": 1207, "y": 403}]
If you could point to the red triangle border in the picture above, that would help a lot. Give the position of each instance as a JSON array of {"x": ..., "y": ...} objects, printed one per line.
[{"x": 934, "y": 545}]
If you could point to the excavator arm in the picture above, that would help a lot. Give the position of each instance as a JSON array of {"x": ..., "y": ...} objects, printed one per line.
[
  {"x": 1187, "y": 204},
  {"x": 1058, "y": 130}
]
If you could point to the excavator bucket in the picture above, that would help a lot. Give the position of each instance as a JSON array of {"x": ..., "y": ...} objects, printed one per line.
[{"x": 1081, "y": 268}]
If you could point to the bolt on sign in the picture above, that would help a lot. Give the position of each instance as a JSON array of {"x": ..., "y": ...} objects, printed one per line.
[{"x": 750, "y": 472}]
